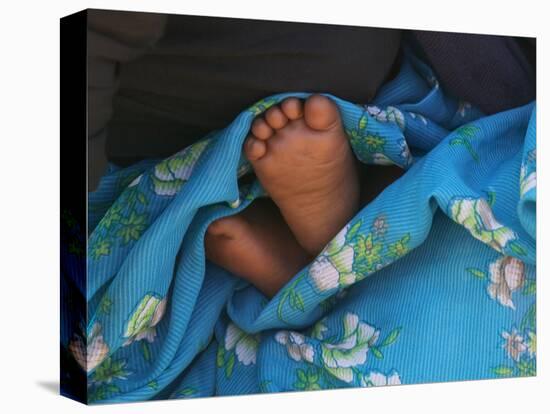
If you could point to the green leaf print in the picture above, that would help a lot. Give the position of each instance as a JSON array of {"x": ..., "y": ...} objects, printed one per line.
[
  {"x": 230, "y": 365},
  {"x": 145, "y": 351},
  {"x": 289, "y": 293},
  {"x": 109, "y": 370},
  {"x": 526, "y": 368},
  {"x": 467, "y": 131},
  {"x": 391, "y": 338},
  {"x": 368, "y": 254},
  {"x": 296, "y": 301},
  {"x": 142, "y": 199},
  {"x": 517, "y": 249},
  {"x": 375, "y": 143},
  {"x": 186, "y": 392},
  {"x": 491, "y": 198},
  {"x": 100, "y": 248},
  {"x": 464, "y": 135},
  {"x": 263, "y": 386},
  {"x": 363, "y": 121},
  {"x": 503, "y": 371},
  {"x": 112, "y": 217},
  {"x": 307, "y": 381},
  {"x": 480, "y": 274},
  {"x": 376, "y": 352},
  {"x": 262, "y": 106},
  {"x": 399, "y": 248},
  {"x": 366, "y": 145},
  {"x": 530, "y": 287},
  {"x": 530, "y": 318},
  {"x": 352, "y": 232},
  {"x": 132, "y": 227},
  {"x": 105, "y": 305},
  {"x": 220, "y": 356}
]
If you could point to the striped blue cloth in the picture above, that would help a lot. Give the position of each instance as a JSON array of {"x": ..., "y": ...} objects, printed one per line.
[{"x": 434, "y": 280}]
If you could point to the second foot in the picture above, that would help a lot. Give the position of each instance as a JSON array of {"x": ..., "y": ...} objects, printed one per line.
[{"x": 256, "y": 245}]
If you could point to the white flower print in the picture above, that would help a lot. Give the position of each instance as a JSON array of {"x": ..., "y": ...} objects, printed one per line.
[
  {"x": 432, "y": 80},
  {"x": 170, "y": 174},
  {"x": 297, "y": 347},
  {"x": 380, "y": 226},
  {"x": 391, "y": 114},
  {"x": 324, "y": 275},
  {"x": 381, "y": 159},
  {"x": 476, "y": 215},
  {"x": 514, "y": 344},
  {"x": 351, "y": 350},
  {"x": 147, "y": 315},
  {"x": 89, "y": 354},
  {"x": 507, "y": 274},
  {"x": 333, "y": 268},
  {"x": 318, "y": 330},
  {"x": 405, "y": 153},
  {"x": 463, "y": 107},
  {"x": 422, "y": 118},
  {"x": 526, "y": 182},
  {"x": 235, "y": 204},
  {"x": 377, "y": 379},
  {"x": 244, "y": 344},
  {"x": 136, "y": 181},
  {"x": 337, "y": 243},
  {"x": 532, "y": 155}
]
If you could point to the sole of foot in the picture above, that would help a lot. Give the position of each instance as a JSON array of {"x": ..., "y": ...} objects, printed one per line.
[{"x": 302, "y": 157}]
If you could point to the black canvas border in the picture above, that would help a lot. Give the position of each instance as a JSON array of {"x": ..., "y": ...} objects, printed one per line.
[{"x": 73, "y": 198}]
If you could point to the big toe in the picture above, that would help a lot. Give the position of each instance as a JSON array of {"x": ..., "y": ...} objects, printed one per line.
[{"x": 321, "y": 113}]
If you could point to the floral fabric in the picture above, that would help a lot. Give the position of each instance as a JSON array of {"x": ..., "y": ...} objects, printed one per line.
[{"x": 432, "y": 281}]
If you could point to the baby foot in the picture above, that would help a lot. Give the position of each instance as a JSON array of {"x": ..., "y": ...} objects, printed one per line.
[
  {"x": 256, "y": 245},
  {"x": 302, "y": 157}
]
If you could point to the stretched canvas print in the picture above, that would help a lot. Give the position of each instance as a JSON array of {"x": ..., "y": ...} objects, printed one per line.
[{"x": 255, "y": 206}]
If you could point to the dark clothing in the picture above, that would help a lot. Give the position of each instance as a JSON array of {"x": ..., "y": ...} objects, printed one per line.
[
  {"x": 494, "y": 73},
  {"x": 157, "y": 83},
  {"x": 204, "y": 71}
]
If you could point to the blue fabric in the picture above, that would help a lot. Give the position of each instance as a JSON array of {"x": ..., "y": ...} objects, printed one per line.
[{"x": 434, "y": 280}]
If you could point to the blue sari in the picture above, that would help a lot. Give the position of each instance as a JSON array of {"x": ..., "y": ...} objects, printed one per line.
[{"x": 432, "y": 281}]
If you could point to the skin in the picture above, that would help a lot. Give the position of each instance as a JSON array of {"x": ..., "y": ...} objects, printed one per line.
[
  {"x": 302, "y": 157},
  {"x": 258, "y": 246}
]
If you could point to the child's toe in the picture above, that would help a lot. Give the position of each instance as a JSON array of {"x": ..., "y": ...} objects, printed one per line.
[
  {"x": 260, "y": 129},
  {"x": 276, "y": 118},
  {"x": 321, "y": 113},
  {"x": 293, "y": 108},
  {"x": 254, "y": 149}
]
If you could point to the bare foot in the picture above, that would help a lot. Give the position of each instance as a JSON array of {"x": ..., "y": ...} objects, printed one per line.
[
  {"x": 256, "y": 245},
  {"x": 302, "y": 157}
]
